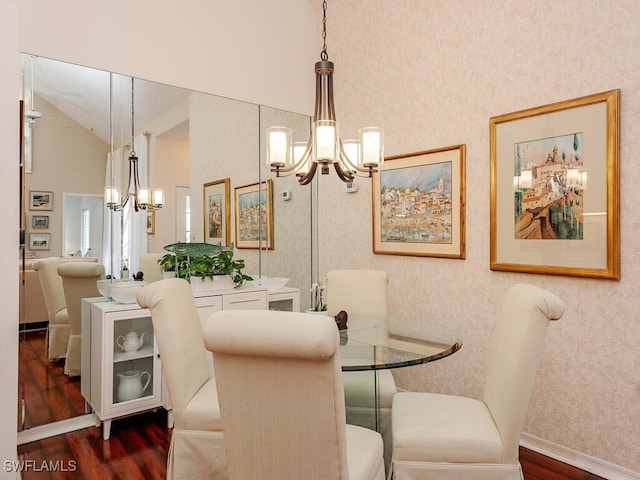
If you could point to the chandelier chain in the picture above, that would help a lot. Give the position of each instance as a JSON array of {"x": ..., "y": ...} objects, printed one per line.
[
  {"x": 133, "y": 153},
  {"x": 323, "y": 55}
]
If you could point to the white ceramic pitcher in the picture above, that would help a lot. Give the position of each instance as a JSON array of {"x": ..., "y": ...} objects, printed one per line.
[{"x": 130, "y": 384}]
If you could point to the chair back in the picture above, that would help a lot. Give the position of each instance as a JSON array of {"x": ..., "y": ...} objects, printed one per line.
[
  {"x": 516, "y": 345},
  {"x": 281, "y": 396},
  {"x": 51, "y": 284},
  {"x": 149, "y": 266},
  {"x": 78, "y": 282},
  {"x": 178, "y": 331},
  {"x": 363, "y": 295}
]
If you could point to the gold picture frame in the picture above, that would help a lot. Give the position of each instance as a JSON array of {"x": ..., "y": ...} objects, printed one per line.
[
  {"x": 151, "y": 222},
  {"x": 419, "y": 204},
  {"x": 555, "y": 188},
  {"x": 254, "y": 215},
  {"x": 216, "y": 211}
]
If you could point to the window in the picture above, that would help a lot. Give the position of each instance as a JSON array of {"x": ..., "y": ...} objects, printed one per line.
[
  {"x": 85, "y": 230},
  {"x": 187, "y": 219}
]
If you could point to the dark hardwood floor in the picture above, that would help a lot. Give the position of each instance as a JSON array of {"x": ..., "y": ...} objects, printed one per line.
[
  {"x": 50, "y": 394},
  {"x": 138, "y": 446}
]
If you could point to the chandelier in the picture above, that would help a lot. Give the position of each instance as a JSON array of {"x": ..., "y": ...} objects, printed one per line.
[
  {"x": 359, "y": 157},
  {"x": 143, "y": 198}
]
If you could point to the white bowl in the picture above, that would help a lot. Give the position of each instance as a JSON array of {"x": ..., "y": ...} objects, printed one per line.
[
  {"x": 103, "y": 285},
  {"x": 125, "y": 292},
  {"x": 270, "y": 283}
]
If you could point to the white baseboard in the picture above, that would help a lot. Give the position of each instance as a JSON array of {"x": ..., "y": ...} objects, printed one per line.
[
  {"x": 56, "y": 428},
  {"x": 577, "y": 459}
]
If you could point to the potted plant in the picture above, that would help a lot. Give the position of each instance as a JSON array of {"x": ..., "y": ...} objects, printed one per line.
[
  {"x": 318, "y": 304},
  {"x": 173, "y": 265},
  {"x": 207, "y": 266},
  {"x": 212, "y": 267}
]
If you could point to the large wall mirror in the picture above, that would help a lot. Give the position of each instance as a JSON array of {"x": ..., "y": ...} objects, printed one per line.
[{"x": 77, "y": 120}]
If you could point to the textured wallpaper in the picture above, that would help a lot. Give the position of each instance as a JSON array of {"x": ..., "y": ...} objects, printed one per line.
[
  {"x": 432, "y": 73},
  {"x": 225, "y": 142}
]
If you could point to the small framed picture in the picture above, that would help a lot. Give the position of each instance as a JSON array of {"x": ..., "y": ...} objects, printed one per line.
[
  {"x": 216, "y": 198},
  {"x": 40, "y": 200},
  {"x": 151, "y": 222},
  {"x": 39, "y": 241},
  {"x": 40, "y": 222}
]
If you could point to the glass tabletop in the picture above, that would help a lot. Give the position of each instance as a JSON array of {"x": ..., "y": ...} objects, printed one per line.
[{"x": 361, "y": 349}]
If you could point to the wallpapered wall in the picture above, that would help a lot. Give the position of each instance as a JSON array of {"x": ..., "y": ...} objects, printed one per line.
[{"x": 432, "y": 73}]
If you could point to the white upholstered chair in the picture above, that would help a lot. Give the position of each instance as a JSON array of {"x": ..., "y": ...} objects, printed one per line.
[
  {"x": 447, "y": 437},
  {"x": 363, "y": 295},
  {"x": 282, "y": 401},
  {"x": 57, "y": 339},
  {"x": 197, "y": 444},
  {"x": 78, "y": 282}
]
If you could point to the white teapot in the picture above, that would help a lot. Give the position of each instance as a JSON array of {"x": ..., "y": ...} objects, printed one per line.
[{"x": 130, "y": 343}]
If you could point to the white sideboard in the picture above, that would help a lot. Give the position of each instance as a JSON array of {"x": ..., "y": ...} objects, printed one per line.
[{"x": 107, "y": 372}]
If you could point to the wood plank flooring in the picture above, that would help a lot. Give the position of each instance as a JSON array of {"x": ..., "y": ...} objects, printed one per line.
[
  {"x": 139, "y": 444},
  {"x": 50, "y": 394}
]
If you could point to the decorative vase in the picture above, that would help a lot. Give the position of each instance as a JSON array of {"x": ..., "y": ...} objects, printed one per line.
[
  {"x": 166, "y": 275},
  {"x": 219, "y": 282},
  {"x": 130, "y": 384},
  {"x": 316, "y": 312}
]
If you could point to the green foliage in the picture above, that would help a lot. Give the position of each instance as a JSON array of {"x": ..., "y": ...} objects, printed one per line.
[
  {"x": 205, "y": 266},
  {"x": 173, "y": 262}
]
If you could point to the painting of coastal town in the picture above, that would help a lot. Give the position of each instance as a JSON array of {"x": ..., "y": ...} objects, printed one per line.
[
  {"x": 416, "y": 204},
  {"x": 549, "y": 188},
  {"x": 417, "y": 211},
  {"x": 254, "y": 215}
]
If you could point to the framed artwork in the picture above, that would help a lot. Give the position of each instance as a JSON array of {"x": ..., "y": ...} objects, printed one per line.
[
  {"x": 419, "y": 204},
  {"x": 151, "y": 222},
  {"x": 40, "y": 221},
  {"x": 217, "y": 216},
  {"x": 39, "y": 241},
  {"x": 254, "y": 215},
  {"x": 40, "y": 200},
  {"x": 555, "y": 188}
]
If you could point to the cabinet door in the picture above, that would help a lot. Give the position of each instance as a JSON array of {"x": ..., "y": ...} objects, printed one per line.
[
  {"x": 206, "y": 307},
  {"x": 245, "y": 301},
  {"x": 132, "y": 380}
]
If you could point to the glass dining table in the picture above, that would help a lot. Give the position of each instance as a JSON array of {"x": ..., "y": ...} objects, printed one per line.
[
  {"x": 363, "y": 349},
  {"x": 367, "y": 356}
]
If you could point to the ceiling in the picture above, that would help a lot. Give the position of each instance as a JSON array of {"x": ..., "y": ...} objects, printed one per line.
[{"x": 83, "y": 94}]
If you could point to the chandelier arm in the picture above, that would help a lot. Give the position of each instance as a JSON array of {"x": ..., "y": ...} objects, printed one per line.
[
  {"x": 305, "y": 179},
  {"x": 344, "y": 175}
]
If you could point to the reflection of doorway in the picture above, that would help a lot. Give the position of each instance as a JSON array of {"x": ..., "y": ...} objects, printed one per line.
[
  {"x": 184, "y": 231},
  {"x": 82, "y": 224}
]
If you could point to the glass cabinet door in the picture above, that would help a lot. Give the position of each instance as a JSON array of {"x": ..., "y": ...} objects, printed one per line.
[{"x": 133, "y": 359}]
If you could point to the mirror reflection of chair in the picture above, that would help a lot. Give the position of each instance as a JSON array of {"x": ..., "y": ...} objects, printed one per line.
[
  {"x": 197, "y": 444},
  {"x": 149, "y": 266},
  {"x": 57, "y": 339},
  {"x": 446, "y": 437},
  {"x": 282, "y": 401},
  {"x": 78, "y": 282},
  {"x": 363, "y": 295}
]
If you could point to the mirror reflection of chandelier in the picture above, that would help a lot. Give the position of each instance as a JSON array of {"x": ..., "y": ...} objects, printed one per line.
[
  {"x": 143, "y": 198},
  {"x": 359, "y": 157}
]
